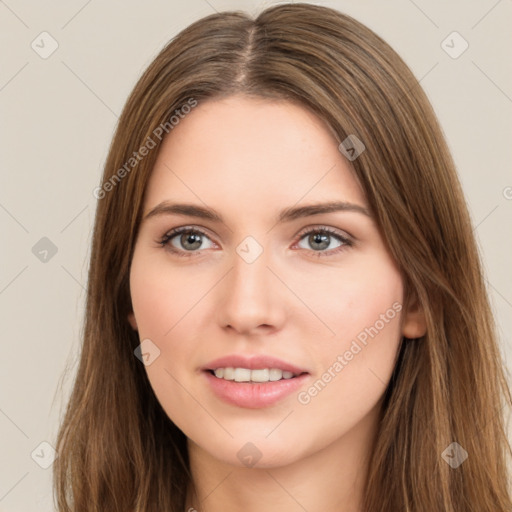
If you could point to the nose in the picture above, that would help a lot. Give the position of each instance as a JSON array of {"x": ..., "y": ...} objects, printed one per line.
[{"x": 251, "y": 297}]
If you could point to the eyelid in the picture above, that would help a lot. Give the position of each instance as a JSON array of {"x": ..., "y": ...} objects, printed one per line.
[{"x": 324, "y": 227}]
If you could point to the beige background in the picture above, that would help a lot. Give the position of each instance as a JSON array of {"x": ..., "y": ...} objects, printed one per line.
[{"x": 58, "y": 115}]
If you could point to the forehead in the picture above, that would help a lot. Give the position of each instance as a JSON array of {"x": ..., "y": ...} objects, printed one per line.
[{"x": 249, "y": 154}]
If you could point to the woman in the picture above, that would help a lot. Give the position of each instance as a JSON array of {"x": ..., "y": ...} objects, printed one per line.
[{"x": 286, "y": 307}]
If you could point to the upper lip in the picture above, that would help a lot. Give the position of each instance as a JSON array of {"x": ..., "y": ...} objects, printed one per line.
[{"x": 253, "y": 362}]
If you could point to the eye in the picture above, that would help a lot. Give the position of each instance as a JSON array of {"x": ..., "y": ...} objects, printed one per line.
[
  {"x": 321, "y": 238},
  {"x": 184, "y": 240}
]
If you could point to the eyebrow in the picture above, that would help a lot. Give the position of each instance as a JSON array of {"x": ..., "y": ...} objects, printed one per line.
[{"x": 286, "y": 215}]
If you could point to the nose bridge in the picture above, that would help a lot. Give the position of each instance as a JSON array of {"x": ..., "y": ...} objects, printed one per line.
[
  {"x": 250, "y": 250},
  {"x": 250, "y": 267},
  {"x": 249, "y": 297}
]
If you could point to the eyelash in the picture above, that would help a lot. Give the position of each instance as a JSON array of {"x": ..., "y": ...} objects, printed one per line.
[{"x": 164, "y": 241}]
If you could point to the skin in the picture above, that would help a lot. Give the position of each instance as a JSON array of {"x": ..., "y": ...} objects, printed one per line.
[{"x": 248, "y": 159}]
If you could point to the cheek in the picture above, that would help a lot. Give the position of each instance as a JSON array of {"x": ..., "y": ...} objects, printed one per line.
[
  {"x": 166, "y": 306},
  {"x": 161, "y": 299},
  {"x": 363, "y": 311},
  {"x": 351, "y": 298},
  {"x": 353, "y": 372},
  {"x": 360, "y": 364}
]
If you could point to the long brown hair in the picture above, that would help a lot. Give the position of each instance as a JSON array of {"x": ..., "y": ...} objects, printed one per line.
[{"x": 118, "y": 450}]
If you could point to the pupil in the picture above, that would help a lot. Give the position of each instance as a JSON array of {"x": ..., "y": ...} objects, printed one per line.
[{"x": 191, "y": 238}]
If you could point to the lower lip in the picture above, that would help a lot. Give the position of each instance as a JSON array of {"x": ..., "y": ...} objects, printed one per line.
[{"x": 254, "y": 395}]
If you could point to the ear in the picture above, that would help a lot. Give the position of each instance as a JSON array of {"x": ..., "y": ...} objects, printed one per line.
[
  {"x": 414, "y": 324},
  {"x": 133, "y": 322}
]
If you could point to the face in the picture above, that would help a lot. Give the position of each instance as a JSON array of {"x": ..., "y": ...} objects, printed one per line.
[{"x": 252, "y": 276}]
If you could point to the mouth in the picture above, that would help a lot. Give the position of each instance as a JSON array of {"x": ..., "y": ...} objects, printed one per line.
[
  {"x": 253, "y": 376},
  {"x": 254, "y": 388},
  {"x": 253, "y": 381}
]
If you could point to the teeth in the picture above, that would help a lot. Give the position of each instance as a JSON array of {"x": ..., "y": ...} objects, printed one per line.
[
  {"x": 246, "y": 375},
  {"x": 260, "y": 375},
  {"x": 275, "y": 374},
  {"x": 229, "y": 373},
  {"x": 242, "y": 375}
]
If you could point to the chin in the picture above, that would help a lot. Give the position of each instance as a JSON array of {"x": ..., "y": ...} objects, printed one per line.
[{"x": 257, "y": 455}]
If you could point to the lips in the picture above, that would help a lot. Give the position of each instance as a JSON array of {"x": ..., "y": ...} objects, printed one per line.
[
  {"x": 255, "y": 362},
  {"x": 254, "y": 395}
]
